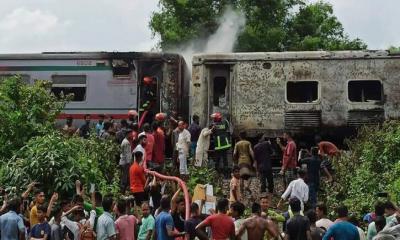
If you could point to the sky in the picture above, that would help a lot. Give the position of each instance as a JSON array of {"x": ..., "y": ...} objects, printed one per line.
[{"x": 28, "y": 26}]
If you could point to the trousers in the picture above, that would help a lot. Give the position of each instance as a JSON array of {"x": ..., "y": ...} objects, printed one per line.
[
  {"x": 183, "y": 170},
  {"x": 267, "y": 176},
  {"x": 124, "y": 176},
  {"x": 221, "y": 155}
]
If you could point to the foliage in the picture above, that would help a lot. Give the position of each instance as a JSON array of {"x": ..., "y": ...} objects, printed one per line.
[
  {"x": 315, "y": 27},
  {"x": 204, "y": 175},
  {"x": 394, "y": 50},
  {"x": 372, "y": 166},
  {"x": 181, "y": 21},
  {"x": 56, "y": 161},
  {"x": 270, "y": 25},
  {"x": 25, "y": 111}
]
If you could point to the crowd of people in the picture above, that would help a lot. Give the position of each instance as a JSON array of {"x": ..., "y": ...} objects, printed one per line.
[{"x": 152, "y": 208}]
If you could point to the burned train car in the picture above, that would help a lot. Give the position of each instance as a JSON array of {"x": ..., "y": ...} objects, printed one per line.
[
  {"x": 329, "y": 93},
  {"x": 109, "y": 83}
]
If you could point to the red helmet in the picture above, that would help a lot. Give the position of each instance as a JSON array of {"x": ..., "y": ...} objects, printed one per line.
[
  {"x": 216, "y": 116},
  {"x": 148, "y": 80},
  {"x": 160, "y": 116},
  {"x": 132, "y": 113}
]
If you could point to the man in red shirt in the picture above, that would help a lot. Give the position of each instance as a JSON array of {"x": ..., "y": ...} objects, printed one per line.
[
  {"x": 159, "y": 147},
  {"x": 137, "y": 179},
  {"x": 327, "y": 151},
  {"x": 289, "y": 160},
  {"x": 222, "y": 226},
  {"x": 326, "y": 148}
]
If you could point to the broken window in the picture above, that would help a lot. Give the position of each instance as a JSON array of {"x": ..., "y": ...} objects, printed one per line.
[
  {"x": 25, "y": 78},
  {"x": 69, "y": 84},
  {"x": 219, "y": 91},
  {"x": 365, "y": 91},
  {"x": 302, "y": 92},
  {"x": 121, "y": 68}
]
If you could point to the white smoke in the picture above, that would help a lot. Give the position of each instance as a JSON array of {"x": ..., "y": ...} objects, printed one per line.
[{"x": 223, "y": 40}]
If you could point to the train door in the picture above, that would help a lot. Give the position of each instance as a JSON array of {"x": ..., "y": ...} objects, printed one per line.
[
  {"x": 149, "y": 89},
  {"x": 219, "y": 90}
]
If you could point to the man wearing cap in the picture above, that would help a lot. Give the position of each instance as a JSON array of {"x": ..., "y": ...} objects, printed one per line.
[{"x": 132, "y": 118}]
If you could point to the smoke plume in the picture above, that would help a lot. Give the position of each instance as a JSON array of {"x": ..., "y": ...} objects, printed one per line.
[{"x": 222, "y": 41}]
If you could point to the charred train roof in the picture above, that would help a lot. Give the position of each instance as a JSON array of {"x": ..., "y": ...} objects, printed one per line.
[
  {"x": 90, "y": 56},
  {"x": 210, "y": 58}
]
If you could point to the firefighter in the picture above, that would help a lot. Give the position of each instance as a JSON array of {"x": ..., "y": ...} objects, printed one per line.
[
  {"x": 148, "y": 98},
  {"x": 132, "y": 118},
  {"x": 222, "y": 144}
]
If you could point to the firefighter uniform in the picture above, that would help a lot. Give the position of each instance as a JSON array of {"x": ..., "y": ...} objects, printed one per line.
[{"x": 221, "y": 145}]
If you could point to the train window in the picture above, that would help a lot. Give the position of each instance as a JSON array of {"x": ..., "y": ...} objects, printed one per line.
[
  {"x": 25, "y": 78},
  {"x": 121, "y": 69},
  {"x": 70, "y": 84},
  {"x": 365, "y": 91},
  {"x": 302, "y": 91},
  {"x": 219, "y": 90}
]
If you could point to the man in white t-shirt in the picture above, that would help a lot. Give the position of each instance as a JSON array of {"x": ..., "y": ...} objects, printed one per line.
[
  {"x": 296, "y": 189},
  {"x": 140, "y": 147},
  {"x": 183, "y": 146}
]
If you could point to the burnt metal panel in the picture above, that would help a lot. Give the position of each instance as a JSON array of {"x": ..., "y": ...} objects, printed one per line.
[
  {"x": 300, "y": 119},
  {"x": 356, "y": 118}
]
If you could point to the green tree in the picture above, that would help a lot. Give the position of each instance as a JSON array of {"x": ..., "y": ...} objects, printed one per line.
[
  {"x": 371, "y": 166},
  {"x": 394, "y": 50},
  {"x": 315, "y": 27},
  {"x": 180, "y": 21},
  {"x": 57, "y": 161},
  {"x": 270, "y": 25},
  {"x": 25, "y": 111},
  {"x": 32, "y": 149}
]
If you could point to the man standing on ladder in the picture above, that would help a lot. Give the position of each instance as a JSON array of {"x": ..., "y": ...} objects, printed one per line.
[{"x": 221, "y": 142}]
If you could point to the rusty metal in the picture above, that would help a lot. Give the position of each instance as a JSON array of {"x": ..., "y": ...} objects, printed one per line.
[{"x": 258, "y": 92}]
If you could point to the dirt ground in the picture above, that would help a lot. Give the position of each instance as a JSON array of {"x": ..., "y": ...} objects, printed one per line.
[{"x": 254, "y": 194}]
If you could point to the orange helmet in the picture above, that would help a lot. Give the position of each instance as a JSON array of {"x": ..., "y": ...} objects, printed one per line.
[
  {"x": 216, "y": 116},
  {"x": 160, "y": 116},
  {"x": 132, "y": 113},
  {"x": 147, "y": 80}
]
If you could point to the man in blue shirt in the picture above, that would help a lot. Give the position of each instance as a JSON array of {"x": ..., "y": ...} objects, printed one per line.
[
  {"x": 11, "y": 224},
  {"x": 342, "y": 229},
  {"x": 100, "y": 125},
  {"x": 105, "y": 223},
  {"x": 164, "y": 227}
]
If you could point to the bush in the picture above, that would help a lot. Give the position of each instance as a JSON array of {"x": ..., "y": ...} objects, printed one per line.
[
  {"x": 25, "y": 111},
  {"x": 371, "y": 166},
  {"x": 204, "y": 175},
  {"x": 56, "y": 161}
]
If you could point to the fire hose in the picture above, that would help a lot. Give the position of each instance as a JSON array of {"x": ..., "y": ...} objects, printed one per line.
[
  {"x": 180, "y": 182},
  {"x": 182, "y": 185}
]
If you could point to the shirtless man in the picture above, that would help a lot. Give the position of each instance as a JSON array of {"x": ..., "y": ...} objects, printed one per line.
[{"x": 257, "y": 225}]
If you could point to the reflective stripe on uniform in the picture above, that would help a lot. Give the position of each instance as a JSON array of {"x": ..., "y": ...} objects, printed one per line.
[{"x": 219, "y": 147}]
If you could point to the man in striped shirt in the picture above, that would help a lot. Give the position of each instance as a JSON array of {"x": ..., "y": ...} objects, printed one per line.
[{"x": 105, "y": 224}]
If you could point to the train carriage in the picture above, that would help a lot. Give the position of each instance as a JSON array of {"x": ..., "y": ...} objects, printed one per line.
[
  {"x": 108, "y": 83},
  {"x": 330, "y": 93}
]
